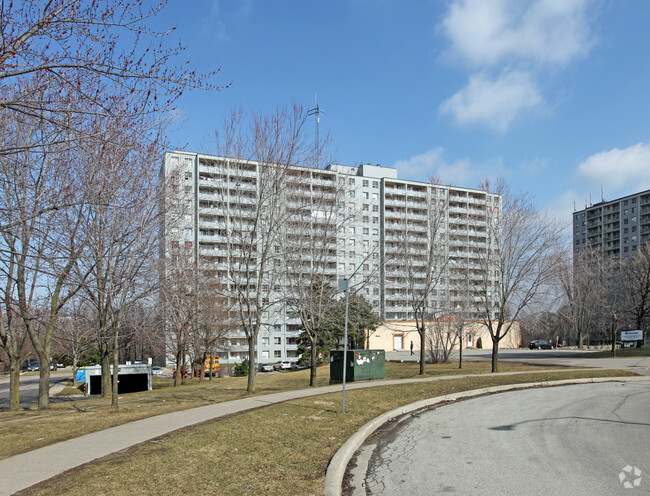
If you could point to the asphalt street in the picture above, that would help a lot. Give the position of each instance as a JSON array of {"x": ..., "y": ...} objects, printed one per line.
[
  {"x": 29, "y": 388},
  {"x": 588, "y": 439}
]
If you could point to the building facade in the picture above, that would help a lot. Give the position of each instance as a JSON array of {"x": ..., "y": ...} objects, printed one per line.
[
  {"x": 613, "y": 229},
  {"x": 393, "y": 239}
]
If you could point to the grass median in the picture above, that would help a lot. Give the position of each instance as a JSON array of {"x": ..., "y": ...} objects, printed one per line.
[
  {"x": 27, "y": 430},
  {"x": 282, "y": 448}
]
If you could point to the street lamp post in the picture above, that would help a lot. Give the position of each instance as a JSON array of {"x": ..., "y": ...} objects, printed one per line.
[{"x": 345, "y": 286}]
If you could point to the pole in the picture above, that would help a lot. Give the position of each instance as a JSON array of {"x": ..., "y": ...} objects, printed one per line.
[{"x": 345, "y": 284}]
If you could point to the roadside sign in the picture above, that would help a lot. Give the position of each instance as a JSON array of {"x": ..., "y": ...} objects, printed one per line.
[{"x": 636, "y": 335}]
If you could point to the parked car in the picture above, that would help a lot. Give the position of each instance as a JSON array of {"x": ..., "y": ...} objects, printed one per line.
[
  {"x": 266, "y": 367},
  {"x": 297, "y": 366},
  {"x": 283, "y": 365},
  {"x": 156, "y": 370},
  {"x": 540, "y": 344}
]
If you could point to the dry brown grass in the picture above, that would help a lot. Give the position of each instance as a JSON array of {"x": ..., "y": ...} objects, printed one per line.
[
  {"x": 280, "y": 449},
  {"x": 75, "y": 416}
]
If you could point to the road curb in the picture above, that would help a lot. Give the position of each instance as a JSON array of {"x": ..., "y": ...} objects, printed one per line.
[{"x": 339, "y": 462}]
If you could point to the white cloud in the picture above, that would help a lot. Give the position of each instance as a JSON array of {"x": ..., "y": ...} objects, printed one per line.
[
  {"x": 619, "y": 171},
  {"x": 486, "y": 32},
  {"x": 493, "y": 103},
  {"x": 431, "y": 163}
]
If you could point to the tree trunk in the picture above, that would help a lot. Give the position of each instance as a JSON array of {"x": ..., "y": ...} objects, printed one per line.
[
  {"x": 423, "y": 335},
  {"x": 460, "y": 350},
  {"x": 312, "y": 372},
  {"x": 250, "y": 387},
  {"x": 495, "y": 355},
  {"x": 106, "y": 374},
  {"x": 14, "y": 382},
  {"x": 44, "y": 382},
  {"x": 179, "y": 367}
]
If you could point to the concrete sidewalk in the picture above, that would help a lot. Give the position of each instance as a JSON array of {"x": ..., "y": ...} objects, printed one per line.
[{"x": 22, "y": 471}]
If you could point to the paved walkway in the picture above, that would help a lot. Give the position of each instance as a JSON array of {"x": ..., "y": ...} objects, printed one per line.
[{"x": 22, "y": 471}]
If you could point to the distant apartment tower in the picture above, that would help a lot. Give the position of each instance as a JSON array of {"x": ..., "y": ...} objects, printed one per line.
[
  {"x": 614, "y": 229},
  {"x": 375, "y": 213}
]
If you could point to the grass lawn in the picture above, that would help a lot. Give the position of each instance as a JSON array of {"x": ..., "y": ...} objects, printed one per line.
[
  {"x": 75, "y": 416},
  {"x": 280, "y": 449}
]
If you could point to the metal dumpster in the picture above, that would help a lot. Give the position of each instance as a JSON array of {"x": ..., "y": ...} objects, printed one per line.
[{"x": 362, "y": 365}]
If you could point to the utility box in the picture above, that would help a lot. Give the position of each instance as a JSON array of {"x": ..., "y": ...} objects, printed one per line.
[{"x": 363, "y": 365}]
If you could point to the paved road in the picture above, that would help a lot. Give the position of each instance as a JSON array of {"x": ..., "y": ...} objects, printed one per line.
[
  {"x": 570, "y": 440},
  {"x": 29, "y": 388},
  {"x": 564, "y": 357}
]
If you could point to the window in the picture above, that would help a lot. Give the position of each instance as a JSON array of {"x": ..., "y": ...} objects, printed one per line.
[
  {"x": 277, "y": 341},
  {"x": 375, "y": 208},
  {"x": 174, "y": 244},
  {"x": 352, "y": 267},
  {"x": 375, "y": 196},
  {"x": 277, "y": 328},
  {"x": 375, "y": 220},
  {"x": 188, "y": 244},
  {"x": 265, "y": 354},
  {"x": 366, "y": 195},
  {"x": 366, "y": 230},
  {"x": 375, "y": 184},
  {"x": 351, "y": 242},
  {"x": 352, "y": 254},
  {"x": 375, "y": 232},
  {"x": 351, "y": 205},
  {"x": 351, "y": 181},
  {"x": 365, "y": 183},
  {"x": 351, "y": 193},
  {"x": 352, "y": 230},
  {"x": 366, "y": 218},
  {"x": 277, "y": 353},
  {"x": 366, "y": 206},
  {"x": 188, "y": 189},
  {"x": 366, "y": 267},
  {"x": 188, "y": 175},
  {"x": 265, "y": 341},
  {"x": 342, "y": 267}
]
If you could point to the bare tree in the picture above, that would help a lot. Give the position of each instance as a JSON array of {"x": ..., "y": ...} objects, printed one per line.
[
  {"x": 583, "y": 292},
  {"x": 416, "y": 252},
  {"x": 636, "y": 288},
  {"x": 254, "y": 203},
  {"x": 308, "y": 248},
  {"x": 87, "y": 49},
  {"x": 118, "y": 268},
  {"x": 74, "y": 334},
  {"x": 40, "y": 242},
  {"x": 520, "y": 262}
]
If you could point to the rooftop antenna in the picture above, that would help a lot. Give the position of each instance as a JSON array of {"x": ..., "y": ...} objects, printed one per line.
[
  {"x": 602, "y": 194},
  {"x": 316, "y": 111}
]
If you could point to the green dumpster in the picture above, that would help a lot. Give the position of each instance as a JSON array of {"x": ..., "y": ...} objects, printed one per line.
[{"x": 363, "y": 365}]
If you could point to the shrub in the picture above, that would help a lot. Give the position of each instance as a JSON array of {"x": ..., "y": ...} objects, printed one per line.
[
  {"x": 241, "y": 369},
  {"x": 479, "y": 343}
]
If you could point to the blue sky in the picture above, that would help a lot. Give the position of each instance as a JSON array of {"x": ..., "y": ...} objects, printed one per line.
[{"x": 552, "y": 95}]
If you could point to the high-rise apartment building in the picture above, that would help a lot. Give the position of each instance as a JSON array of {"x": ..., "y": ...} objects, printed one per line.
[
  {"x": 392, "y": 238},
  {"x": 614, "y": 229}
]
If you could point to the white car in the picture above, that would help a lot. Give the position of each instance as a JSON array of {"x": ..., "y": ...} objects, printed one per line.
[
  {"x": 155, "y": 370},
  {"x": 266, "y": 367},
  {"x": 283, "y": 365}
]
